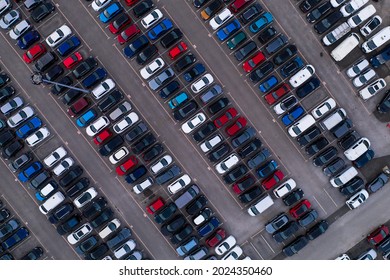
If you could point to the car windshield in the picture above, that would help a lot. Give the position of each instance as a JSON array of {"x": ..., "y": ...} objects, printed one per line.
[
  {"x": 316, "y": 14},
  {"x": 349, "y": 9},
  {"x": 371, "y": 45}
]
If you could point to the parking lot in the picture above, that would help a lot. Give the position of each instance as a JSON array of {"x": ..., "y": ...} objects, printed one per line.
[{"x": 244, "y": 96}]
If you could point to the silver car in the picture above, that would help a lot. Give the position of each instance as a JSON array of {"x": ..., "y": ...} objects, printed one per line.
[
  {"x": 19, "y": 29},
  {"x": 9, "y": 19},
  {"x": 120, "y": 110},
  {"x": 11, "y": 105},
  {"x": 161, "y": 79},
  {"x": 22, "y": 115}
]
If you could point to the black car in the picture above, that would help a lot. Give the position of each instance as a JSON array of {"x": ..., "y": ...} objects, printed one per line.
[
  {"x": 6, "y": 93},
  {"x": 285, "y": 54},
  {"x": 260, "y": 72},
  {"x": 165, "y": 213},
  {"x": 318, "y": 12},
  {"x": 45, "y": 61},
  {"x": 218, "y": 105},
  {"x": 182, "y": 234},
  {"x": 307, "y": 5},
  {"x": 308, "y": 136},
  {"x": 73, "y": 173},
  {"x": 135, "y": 132},
  {"x": 267, "y": 35},
  {"x": 104, "y": 216},
  {"x": 364, "y": 159},
  {"x": 194, "y": 72},
  {"x": 383, "y": 106},
  {"x": 111, "y": 100},
  {"x": 95, "y": 77},
  {"x": 243, "y": 184},
  {"x": 294, "y": 247},
  {"x": 293, "y": 197},
  {"x": 111, "y": 145},
  {"x": 98, "y": 253},
  {"x": 142, "y": 8},
  {"x": 168, "y": 175},
  {"x": 199, "y": 3},
  {"x": 69, "y": 224},
  {"x": 259, "y": 158},
  {"x": 308, "y": 87},
  {"x": 286, "y": 232},
  {"x": 187, "y": 110},
  {"x": 291, "y": 67},
  {"x": 144, "y": 143},
  {"x": 119, "y": 238},
  {"x": 196, "y": 205},
  {"x": 31, "y": 4},
  {"x": 169, "y": 89},
  {"x": 57, "y": 89},
  {"x": 353, "y": 186},
  {"x": 316, "y": 146},
  {"x": 334, "y": 167},
  {"x": 87, "y": 245},
  {"x": 95, "y": 207},
  {"x": 4, "y": 78},
  {"x": 53, "y": 73},
  {"x": 204, "y": 131},
  {"x": 6, "y": 137},
  {"x": 342, "y": 128},
  {"x": 347, "y": 141},
  {"x": 78, "y": 187},
  {"x": 34, "y": 254},
  {"x": 153, "y": 152},
  {"x": 251, "y": 194},
  {"x": 308, "y": 218},
  {"x": 84, "y": 67},
  {"x": 173, "y": 225},
  {"x": 328, "y": 22},
  {"x": 219, "y": 152},
  {"x": 236, "y": 174},
  {"x": 11, "y": 150},
  {"x": 243, "y": 137},
  {"x": 171, "y": 38},
  {"x": 146, "y": 54},
  {"x": 253, "y": 146},
  {"x": 245, "y": 51},
  {"x": 184, "y": 62},
  {"x": 71, "y": 96},
  {"x": 4, "y": 215},
  {"x": 325, "y": 157},
  {"x": 317, "y": 230},
  {"x": 250, "y": 13},
  {"x": 276, "y": 44},
  {"x": 61, "y": 213},
  {"x": 42, "y": 11},
  {"x": 135, "y": 46},
  {"x": 136, "y": 174}
]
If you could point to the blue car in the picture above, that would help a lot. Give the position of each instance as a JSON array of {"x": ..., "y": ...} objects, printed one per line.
[
  {"x": 291, "y": 67},
  {"x": 160, "y": 29},
  {"x": 209, "y": 227},
  {"x": 194, "y": 72},
  {"x": 268, "y": 84},
  {"x": 29, "y": 171},
  {"x": 364, "y": 158},
  {"x": 135, "y": 46},
  {"x": 86, "y": 118},
  {"x": 110, "y": 12},
  {"x": 136, "y": 174},
  {"x": 267, "y": 169},
  {"x": 28, "y": 39},
  {"x": 259, "y": 24},
  {"x": 190, "y": 244},
  {"x": 228, "y": 30},
  {"x": 68, "y": 46},
  {"x": 178, "y": 100},
  {"x": 15, "y": 238},
  {"x": 96, "y": 76},
  {"x": 29, "y": 127},
  {"x": 291, "y": 116}
]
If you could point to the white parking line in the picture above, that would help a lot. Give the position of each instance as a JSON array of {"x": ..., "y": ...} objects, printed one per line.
[
  {"x": 335, "y": 204},
  {"x": 254, "y": 248},
  {"x": 267, "y": 243},
  {"x": 326, "y": 213}
]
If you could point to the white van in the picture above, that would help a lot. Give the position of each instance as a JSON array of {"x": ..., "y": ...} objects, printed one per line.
[
  {"x": 344, "y": 177},
  {"x": 345, "y": 47},
  {"x": 377, "y": 40},
  {"x": 361, "y": 16},
  {"x": 336, "y": 117},
  {"x": 300, "y": 126},
  {"x": 261, "y": 205},
  {"x": 336, "y": 34},
  {"x": 302, "y": 76},
  {"x": 52, "y": 202}
]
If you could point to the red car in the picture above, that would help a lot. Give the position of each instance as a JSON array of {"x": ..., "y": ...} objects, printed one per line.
[
  {"x": 117, "y": 25},
  {"x": 72, "y": 60},
  {"x": 177, "y": 50},
  {"x": 131, "y": 2},
  {"x": 301, "y": 208},
  {"x": 128, "y": 33},
  {"x": 251, "y": 63},
  {"x": 237, "y": 5},
  {"x": 230, "y": 114},
  {"x": 378, "y": 235},
  {"x": 102, "y": 136},
  {"x": 34, "y": 52},
  {"x": 217, "y": 237},
  {"x": 272, "y": 180},
  {"x": 78, "y": 106},
  {"x": 237, "y": 126},
  {"x": 274, "y": 96},
  {"x": 126, "y": 166},
  {"x": 155, "y": 206}
]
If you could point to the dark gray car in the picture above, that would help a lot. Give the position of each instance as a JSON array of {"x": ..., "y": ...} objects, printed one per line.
[
  {"x": 161, "y": 79},
  {"x": 276, "y": 44},
  {"x": 277, "y": 223},
  {"x": 168, "y": 175},
  {"x": 119, "y": 238}
]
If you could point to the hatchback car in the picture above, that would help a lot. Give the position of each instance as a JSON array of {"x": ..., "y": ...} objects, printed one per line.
[
  {"x": 301, "y": 208},
  {"x": 261, "y": 22}
]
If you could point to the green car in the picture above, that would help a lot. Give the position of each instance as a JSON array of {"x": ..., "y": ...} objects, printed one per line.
[{"x": 236, "y": 40}]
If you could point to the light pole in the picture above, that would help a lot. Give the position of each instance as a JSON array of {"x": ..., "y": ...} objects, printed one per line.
[{"x": 37, "y": 79}]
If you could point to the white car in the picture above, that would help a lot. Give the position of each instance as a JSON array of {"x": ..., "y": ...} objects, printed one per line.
[
  {"x": 5, "y": 5},
  {"x": 125, "y": 249},
  {"x": 358, "y": 148},
  {"x": 352, "y": 6},
  {"x": 361, "y": 16},
  {"x": 79, "y": 233},
  {"x": 301, "y": 126},
  {"x": 336, "y": 34},
  {"x": 58, "y": 36},
  {"x": 323, "y": 108},
  {"x": 19, "y": 117},
  {"x": 202, "y": 83},
  {"x": 302, "y": 76},
  {"x": 105, "y": 87},
  {"x": 37, "y": 137},
  {"x": 120, "y": 154},
  {"x": 357, "y": 199},
  {"x": 85, "y": 197},
  {"x": 193, "y": 123},
  {"x": 371, "y": 25},
  {"x": 285, "y": 188},
  {"x": 211, "y": 143},
  {"x": 368, "y": 255},
  {"x": 139, "y": 188},
  {"x": 151, "y": 19},
  {"x": 372, "y": 89},
  {"x": 364, "y": 78},
  {"x": 97, "y": 5},
  {"x": 63, "y": 166},
  {"x": 233, "y": 254},
  {"x": 225, "y": 245},
  {"x": 126, "y": 122},
  {"x": 377, "y": 40},
  {"x": 152, "y": 68},
  {"x": 286, "y": 104},
  {"x": 357, "y": 68},
  {"x": 161, "y": 164},
  {"x": 97, "y": 126},
  {"x": 19, "y": 29},
  {"x": 220, "y": 18},
  {"x": 112, "y": 226},
  {"x": 343, "y": 257},
  {"x": 226, "y": 164},
  {"x": 179, "y": 184},
  {"x": 120, "y": 110},
  {"x": 55, "y": 156},
  {"x": 336, "y": 3}
]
